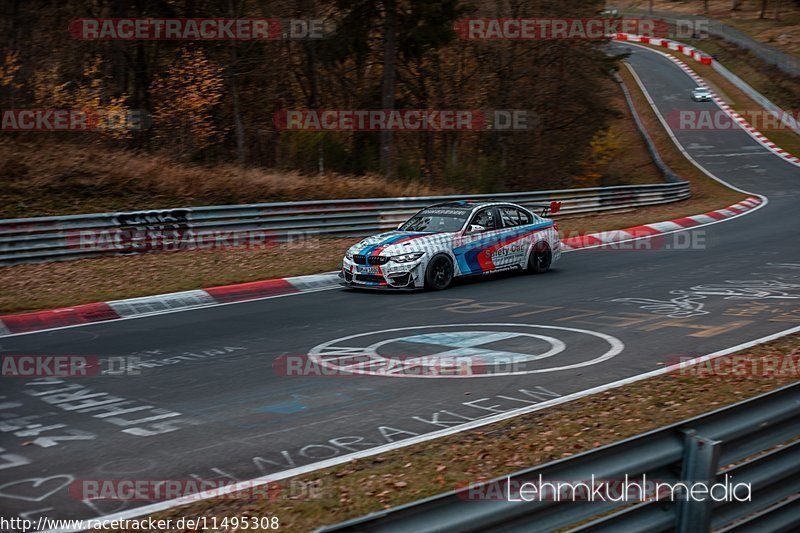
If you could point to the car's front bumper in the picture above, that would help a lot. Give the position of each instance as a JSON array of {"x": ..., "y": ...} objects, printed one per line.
[{"x": 388, "y": 276}]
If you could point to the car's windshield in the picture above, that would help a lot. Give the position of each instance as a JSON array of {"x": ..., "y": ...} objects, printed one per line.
[{"x": 437, "y": 220}]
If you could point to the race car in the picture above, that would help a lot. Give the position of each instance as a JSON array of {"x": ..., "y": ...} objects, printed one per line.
[
  {"x": 701, "y": 94},
  {"x": 454, "y": 239}
]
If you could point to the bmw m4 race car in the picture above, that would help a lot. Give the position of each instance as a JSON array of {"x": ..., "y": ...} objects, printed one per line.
[
  {"x": 454, "y": 239},
  {"x": 701, "y": 94}
]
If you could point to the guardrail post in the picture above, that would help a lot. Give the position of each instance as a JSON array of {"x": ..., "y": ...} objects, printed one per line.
[{"x": 700, "y": 464}]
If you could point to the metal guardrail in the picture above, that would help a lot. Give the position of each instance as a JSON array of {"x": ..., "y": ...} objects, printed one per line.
[
  {"x": 785, "y": 117},
  {"x": 785, "y": 62},
  {"x": 745, "y": 441},
  {"x": 665, "y": 170},
  {"x": 25, "y": 240}
]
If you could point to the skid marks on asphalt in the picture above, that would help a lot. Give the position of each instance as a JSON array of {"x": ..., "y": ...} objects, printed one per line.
[{"x": 613, "y": 319}]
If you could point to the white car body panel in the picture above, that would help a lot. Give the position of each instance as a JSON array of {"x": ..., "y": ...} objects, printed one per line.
[{"x": 367, "y": 263}]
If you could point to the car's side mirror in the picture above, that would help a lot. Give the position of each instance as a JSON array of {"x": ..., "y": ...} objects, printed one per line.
[{"x": 475, "y": 228}]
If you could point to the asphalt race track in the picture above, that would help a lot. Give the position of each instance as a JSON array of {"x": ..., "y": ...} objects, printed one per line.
[{"x": 224, "y": 409}]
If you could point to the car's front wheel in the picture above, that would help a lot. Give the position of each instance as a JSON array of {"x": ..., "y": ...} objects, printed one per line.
[
  {"x": 540, "y": 258},
  {"x": 439, "y": 273}
]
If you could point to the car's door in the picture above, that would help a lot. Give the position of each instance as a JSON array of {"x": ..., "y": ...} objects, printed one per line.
[
  {"x": 515, "y": 237},
  {"x": 473, "y": 253}
]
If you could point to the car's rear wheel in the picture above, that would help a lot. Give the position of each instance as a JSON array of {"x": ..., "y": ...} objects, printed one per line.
[
  {"x": 439, "y": 273},
  {"x": 540, "y": 259}
]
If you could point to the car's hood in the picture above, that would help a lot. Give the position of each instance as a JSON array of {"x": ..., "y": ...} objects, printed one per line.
[{"x": 397, "y": 242}]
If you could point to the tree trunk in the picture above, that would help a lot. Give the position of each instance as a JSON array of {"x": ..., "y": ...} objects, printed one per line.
[
  {"x": 141, "y": 84},
  {"x": 387, "y": 90},
  {"x": 311, "y": 74},
  {"x": 311, "y": 69},
  {"x": 118, "y": 60},
  {"x": 238, "y": 126}
]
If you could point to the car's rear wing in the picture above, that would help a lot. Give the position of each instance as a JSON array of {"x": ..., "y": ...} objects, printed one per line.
[{"x": 551, "y": 209}]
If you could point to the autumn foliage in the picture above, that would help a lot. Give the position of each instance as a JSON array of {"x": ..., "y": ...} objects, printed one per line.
[{"x": 213, "y": 102}]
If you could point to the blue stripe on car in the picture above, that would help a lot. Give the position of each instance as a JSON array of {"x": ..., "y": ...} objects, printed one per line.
[
  {"x": 388, "y": 241},
  {"x": 467, "y": 255}
]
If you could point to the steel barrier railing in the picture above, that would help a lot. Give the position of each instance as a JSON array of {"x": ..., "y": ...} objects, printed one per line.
[{"x": 25, "y": 240}]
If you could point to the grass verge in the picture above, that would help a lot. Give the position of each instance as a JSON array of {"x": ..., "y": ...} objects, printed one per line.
[
  {"x": 394, "y": 478},
  {"x": 42, "y": 176}
]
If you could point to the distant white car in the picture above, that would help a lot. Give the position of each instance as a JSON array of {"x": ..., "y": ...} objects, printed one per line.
[
  {"x": 454, "y": 239},
  {"x": 701, "y": 94}
]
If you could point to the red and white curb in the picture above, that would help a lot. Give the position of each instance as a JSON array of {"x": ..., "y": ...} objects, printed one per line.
[
  {"x": 690, "y": 51},
  {"x": 148, "y": 305},
  {"x": 658, "y": 228},
  {"x": 176, "y": 301},
  {"x": 707, "y": 60}
]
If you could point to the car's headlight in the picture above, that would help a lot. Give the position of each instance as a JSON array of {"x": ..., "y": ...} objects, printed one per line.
[
  {"x": 349, "y": 255},
  {"x": 407, "y": 258}
]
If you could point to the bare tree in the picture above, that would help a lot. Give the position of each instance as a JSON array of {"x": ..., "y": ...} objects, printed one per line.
[
  {"x": 233, "y": 81},
  {"x": 388, "y": 83}
]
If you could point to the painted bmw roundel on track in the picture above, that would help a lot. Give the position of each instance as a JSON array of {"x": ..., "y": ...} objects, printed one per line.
[{"x": 465, "y": 351}]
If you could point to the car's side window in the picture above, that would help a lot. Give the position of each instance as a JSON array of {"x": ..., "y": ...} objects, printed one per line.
[
  {"x": 510, "y": 216},
  {"x": 524, "y": 218},
  {"x": 536, "y": 219},
  {"x": 485, "y": 217}
]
